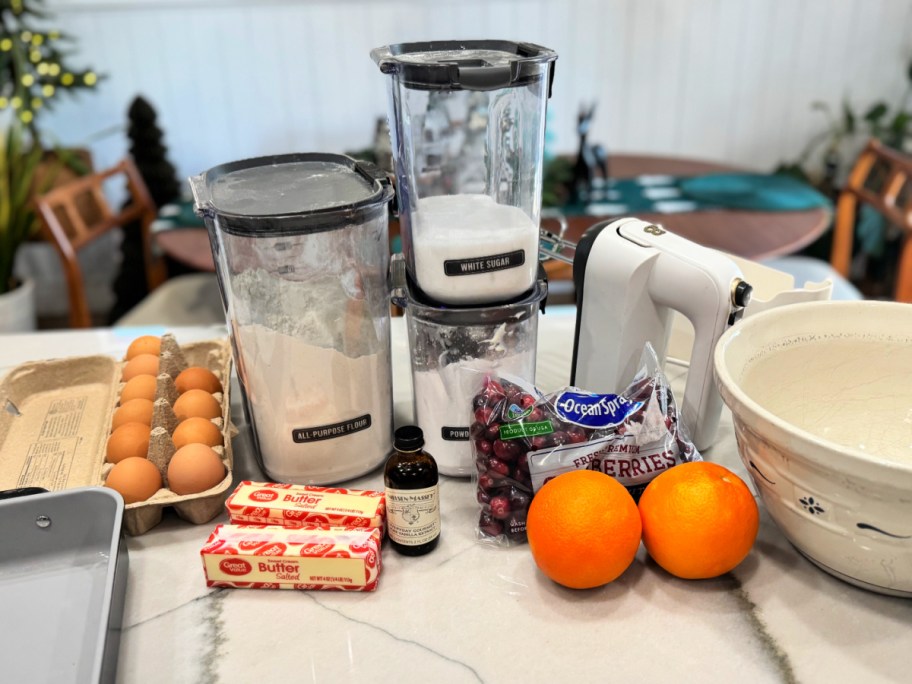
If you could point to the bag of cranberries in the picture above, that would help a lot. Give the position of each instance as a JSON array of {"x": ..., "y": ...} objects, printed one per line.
[{"x": 521, "y": 438}]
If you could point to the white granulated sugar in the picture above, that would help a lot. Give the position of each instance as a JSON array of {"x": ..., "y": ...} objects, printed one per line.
[
  {"x": 459, "y": 227},
  {"x": 310, "y": 356}
]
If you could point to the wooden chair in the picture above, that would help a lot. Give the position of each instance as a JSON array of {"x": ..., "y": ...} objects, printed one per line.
[
  {"x": 881, "y": 178},
  {"x": 76, "y": 213}
]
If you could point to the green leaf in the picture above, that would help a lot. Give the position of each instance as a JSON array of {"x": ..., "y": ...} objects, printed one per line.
[
  {"x": 876, "y": 112},
  {"x": 848, "y": 117},
  {"x": 900, "y": 123}
]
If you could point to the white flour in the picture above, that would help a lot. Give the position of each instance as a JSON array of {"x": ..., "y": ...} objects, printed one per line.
[
  {"x": 443, "y": 398},
  {"x": 461, "y": 227},
  {"x": 327, "y": 365}
]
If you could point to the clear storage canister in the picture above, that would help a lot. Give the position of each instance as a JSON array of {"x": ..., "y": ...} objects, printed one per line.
[
  {"x": 467, "y": 122},
  {"x": 302, "y": 255},
  {"x": 452, "y": 349}
]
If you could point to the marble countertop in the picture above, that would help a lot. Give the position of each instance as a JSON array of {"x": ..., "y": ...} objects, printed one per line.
[{"x": 470, "y": 613}]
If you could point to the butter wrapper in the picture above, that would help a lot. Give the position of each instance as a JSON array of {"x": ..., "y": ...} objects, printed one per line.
[
  {"x": 289, "y": 505},
  {"x": 310, "y": 557}
]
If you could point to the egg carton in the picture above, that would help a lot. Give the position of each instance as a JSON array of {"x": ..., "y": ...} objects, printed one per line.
[{"x": 54, "y": 431}]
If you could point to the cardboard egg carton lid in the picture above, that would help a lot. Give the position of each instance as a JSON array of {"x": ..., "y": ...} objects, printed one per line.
[{"x": 56, "y": 419}]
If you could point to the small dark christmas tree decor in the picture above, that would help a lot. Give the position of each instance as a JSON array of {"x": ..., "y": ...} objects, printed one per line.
[{"x": 149, "y": 152}]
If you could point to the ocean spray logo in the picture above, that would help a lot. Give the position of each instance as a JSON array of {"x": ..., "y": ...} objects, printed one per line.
[
  {"x": 594, "y": 410},
  {"x": 515, "y": 412}
]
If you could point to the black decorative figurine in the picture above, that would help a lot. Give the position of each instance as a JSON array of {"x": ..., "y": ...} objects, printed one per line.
[{"x": 590, "y": 160}]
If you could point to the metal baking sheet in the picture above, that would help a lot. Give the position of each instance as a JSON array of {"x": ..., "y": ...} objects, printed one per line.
[{"x": 63, "y": 575}]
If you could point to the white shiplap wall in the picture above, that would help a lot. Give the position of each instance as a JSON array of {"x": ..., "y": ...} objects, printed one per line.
[{"x": 730, "y": 80}]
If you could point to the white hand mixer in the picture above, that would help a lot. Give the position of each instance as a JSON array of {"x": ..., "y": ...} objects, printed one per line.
[{"x": 630, "y": 276}]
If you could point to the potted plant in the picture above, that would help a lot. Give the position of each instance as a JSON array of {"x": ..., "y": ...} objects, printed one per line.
[
  {"x": 18, "y": 164},
  {"x": 33, "y": 73}
]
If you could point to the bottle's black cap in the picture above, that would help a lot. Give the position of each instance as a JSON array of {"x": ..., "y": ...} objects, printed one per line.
[{"x": 408, "y": 438}]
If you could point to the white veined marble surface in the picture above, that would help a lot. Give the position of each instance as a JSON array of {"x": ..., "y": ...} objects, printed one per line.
[{"x": 468, "y": 613}]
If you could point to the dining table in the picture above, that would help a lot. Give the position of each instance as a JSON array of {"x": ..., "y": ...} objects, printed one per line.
[
  {"x": 751, "y": 234},
  {"x": 470, "y": 612}
]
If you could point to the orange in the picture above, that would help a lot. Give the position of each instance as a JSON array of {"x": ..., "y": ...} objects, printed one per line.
[
  {"x": 583, "y": 529},
  {"x": 699, "y": 520}
]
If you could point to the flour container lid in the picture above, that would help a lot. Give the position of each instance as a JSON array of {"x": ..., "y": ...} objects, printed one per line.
[
  {"x": 466, "y": 64},
  {"x": 291, "y": 194}
]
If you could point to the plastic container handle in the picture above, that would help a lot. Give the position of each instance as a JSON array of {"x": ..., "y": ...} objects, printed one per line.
[
  {"x": 485, "y": 77},
  {"x": 202, "y": 207}
]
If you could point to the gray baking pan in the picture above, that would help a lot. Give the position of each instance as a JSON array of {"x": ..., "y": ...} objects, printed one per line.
[{"x": 63, "y": 576}]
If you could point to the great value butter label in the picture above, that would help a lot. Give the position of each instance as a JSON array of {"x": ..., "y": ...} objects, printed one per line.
[
  {"x": 298, "y": 505},
  {"x": 271, "y": 557}
]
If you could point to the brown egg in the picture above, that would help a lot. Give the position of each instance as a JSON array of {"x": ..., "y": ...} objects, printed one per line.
[
  {"x": 135, "y": 478},
  {"x": 194, "y": 468},
  {"x": 133, "y": 411},
  {"x": 197, "y": 377},
  {"x": 139, "y": 387},
  {"x": 196, "y": 403},
  {"x": 197, "y": 431},
  {"x": 147, "y": 344},
  {"x": 130, "y": 440},
  {"x": 144, "y": 364}
]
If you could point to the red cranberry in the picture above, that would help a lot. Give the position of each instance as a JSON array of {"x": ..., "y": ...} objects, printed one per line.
[
  {"x": 535, "y": 416},
  {"x": 527, "y": 400},
  {"x": 483, "y": 497},
  {"x": 522, "y": 462},
  {"x": 542, "y": 442},
  {"x": 560, "y": 437},
  {"x": 490, "y": 526},
  {"x": 576, "y": 435},
  {"x": 476, "y": 429},
  {"x": 506, "y": 451},
  {"x": 500, "y": 507},
  {"x": 519, "y": 500},
  {"x": 492, "y": 432},
  {"x": 485, "y": 481},
  {"x": 483, "y": 446},
  {"x": 491, "y": 385},
  {"x": 497, "y": 468},
  {"x": 483, "y": 414},
  {"x": 523, "y": 478}
]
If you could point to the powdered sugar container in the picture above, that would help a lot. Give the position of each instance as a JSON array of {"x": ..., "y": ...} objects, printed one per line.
[
  {"x": 301, "y": 248},
  {"x": 467, "y": 122},
  {"x": 452, "y": 348}
]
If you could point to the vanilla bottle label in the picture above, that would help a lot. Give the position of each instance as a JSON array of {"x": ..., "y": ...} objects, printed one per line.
[{"x": 413, "y": 515}]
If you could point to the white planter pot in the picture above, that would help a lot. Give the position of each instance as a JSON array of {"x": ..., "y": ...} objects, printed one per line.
[{"x": 17, "y": 308}]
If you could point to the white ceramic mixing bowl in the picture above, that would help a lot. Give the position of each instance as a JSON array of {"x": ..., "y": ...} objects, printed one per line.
[{"x": 821, "y": 396}]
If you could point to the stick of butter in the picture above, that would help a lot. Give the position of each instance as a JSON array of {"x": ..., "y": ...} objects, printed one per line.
[
  {"x": 291, "y": 505},
  {"x": 311, "y": 557}
]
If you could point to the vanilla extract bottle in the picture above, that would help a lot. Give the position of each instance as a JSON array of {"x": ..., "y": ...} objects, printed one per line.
[{"x": 412, "y": 494}]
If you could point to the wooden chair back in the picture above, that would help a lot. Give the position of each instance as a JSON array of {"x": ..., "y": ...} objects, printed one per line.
[
  {"x": 77, "y": 212},
  {"x": 881, "y": 178}
]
